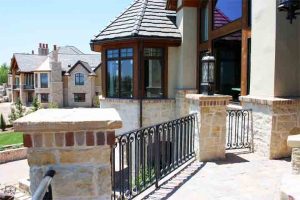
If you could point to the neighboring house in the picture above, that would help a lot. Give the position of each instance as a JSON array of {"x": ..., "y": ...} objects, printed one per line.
[
  {"x": 152, "y": 56},
  {"x": 65, "y": 76}
]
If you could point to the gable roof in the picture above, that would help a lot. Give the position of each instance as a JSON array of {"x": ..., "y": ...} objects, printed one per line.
[
  {"x": 67, "y": 56},
  {"x": 144, "y": 18},
  {"x": 85, "y": 65},
  {"x": 28, "y": 62}
]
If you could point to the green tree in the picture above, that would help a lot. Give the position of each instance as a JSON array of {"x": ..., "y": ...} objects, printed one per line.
[
  {"x": 17, "y": 111},
  {"x": 53, "y": 105},
  {"x": 20, "y": 110},
  {"x": 2, "y": 123},
  {"x": 35, "y": 104},
  {"x": 4, "y": 69}
]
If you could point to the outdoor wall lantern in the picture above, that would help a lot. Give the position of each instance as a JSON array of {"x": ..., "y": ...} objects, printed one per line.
[
  {"x": 208, "y": 75},
  {"x": 289, "y": 6}
]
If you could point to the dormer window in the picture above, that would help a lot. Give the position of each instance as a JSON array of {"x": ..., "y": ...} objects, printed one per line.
[{"x": 79, "y": 79}]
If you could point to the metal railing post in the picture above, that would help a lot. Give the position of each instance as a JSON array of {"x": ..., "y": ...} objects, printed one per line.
[{"x": 157, "y": 157}]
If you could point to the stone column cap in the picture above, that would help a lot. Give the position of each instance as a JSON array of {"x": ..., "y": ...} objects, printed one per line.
[
  {"x": 294, "y": 141},
  {"x": 202, "y": 97},
  {"x": 46, "y": 120}
]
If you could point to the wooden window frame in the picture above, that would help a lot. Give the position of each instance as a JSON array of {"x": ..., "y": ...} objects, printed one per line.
[
  {"x": 119, "y": 59},
  {"x": 162, "y": 58},
  {"x": 241, "y": 24}
]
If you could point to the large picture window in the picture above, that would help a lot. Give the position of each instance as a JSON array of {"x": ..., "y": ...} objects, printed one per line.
[
  {"x": 153, "y": 72},
  {"x": 120, "y": 73},
  {"x": 44, "y": 80},
  {"x": 79, "y": 79}
]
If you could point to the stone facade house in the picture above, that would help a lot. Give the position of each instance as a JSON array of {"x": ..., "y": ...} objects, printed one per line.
[
  {"x": 65, "y": 76},
  {"x": 152, "y": 57}
]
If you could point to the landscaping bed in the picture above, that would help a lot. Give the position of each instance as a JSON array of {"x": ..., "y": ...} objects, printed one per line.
[{"x": 11, "y": 147}]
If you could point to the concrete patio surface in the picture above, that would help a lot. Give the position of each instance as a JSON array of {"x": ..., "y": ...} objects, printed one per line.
[
  {"x": 12, "y": 172},
  {"x": 239, "y": 177}
]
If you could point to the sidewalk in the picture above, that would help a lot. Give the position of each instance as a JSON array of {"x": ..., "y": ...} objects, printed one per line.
[{"x": 12, "y": 172}]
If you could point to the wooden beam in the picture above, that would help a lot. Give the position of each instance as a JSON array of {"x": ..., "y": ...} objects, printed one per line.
[{"x": 227, "y": 29}]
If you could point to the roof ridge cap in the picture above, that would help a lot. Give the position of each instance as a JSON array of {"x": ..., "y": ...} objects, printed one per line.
[{"x": 139, "y": 18}]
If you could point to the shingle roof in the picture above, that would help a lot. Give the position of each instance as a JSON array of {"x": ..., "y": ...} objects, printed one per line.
[
  {"x": 144, "y": 18},
  {"x": 28, "y": 62},
  {"x": 67, "y": 55}
]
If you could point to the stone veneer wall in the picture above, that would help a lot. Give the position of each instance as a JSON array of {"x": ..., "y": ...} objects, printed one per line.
[
  {"x": 87, "y": 88},
  {"x": 274, "y": 119},
  {"x": 154, "y": 111}
]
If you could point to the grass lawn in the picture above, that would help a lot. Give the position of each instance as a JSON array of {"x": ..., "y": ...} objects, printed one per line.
[{"x": 11, "y": 138}]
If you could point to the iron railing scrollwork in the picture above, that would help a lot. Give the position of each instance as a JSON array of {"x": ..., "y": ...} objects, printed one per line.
[
  {"x": 239, "y": 129},
  {"x": 142, "y": 157}
]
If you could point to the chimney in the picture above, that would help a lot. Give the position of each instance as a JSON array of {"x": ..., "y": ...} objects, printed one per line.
[
  {"x": 46, "y": 49},
  {"x": 55, "y": 53},
  {"x": 43, "y": 49},
  {"x": 32, "y": 52}
]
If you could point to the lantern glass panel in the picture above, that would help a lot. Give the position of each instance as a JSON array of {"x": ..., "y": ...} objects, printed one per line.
[
  {"x": 211, "y": 71},
  {"x": 205, "y": 72}
]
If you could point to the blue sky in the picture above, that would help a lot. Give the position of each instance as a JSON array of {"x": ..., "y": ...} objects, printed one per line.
[{"x": 25, "y": 23}]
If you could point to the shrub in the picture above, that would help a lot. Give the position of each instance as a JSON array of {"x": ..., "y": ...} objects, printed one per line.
[
  {"x": 52, "y": 105},
  {"x": 35, "y": 104},
  {"x": 17, "y": 111},
  {"x": 2, "y": 123}
]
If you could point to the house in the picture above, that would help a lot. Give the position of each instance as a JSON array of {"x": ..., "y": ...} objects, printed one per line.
[
  {"x": 152, "y": 57},
  {"x": 66, "y": 76}
]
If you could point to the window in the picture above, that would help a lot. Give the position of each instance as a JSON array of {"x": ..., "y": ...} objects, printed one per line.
[
  {"x": 153, "y": 72},
  {"x": 29, "y": 79},
  {"x": 44, "y": 98},
  {"x": 204, "y": 24},
  {"x": 226, "y": 11},
  {"x": 120, "y": 73},
  {"x": 79, "y": 97},
  {"x": 44, "y": 80},
  {"x": 79, "y": 79}
]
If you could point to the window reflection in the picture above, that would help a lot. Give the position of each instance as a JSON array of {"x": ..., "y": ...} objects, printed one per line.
[{"x": 226, "y": 11}]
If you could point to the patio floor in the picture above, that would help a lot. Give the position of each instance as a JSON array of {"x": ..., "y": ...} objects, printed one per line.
[{"x": 239, "y": 177}]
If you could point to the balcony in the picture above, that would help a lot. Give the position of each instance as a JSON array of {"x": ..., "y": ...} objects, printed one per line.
[{"x": 28, "y": 87}]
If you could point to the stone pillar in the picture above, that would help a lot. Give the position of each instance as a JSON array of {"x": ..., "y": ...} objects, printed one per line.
[
  {"x": 76, "y": 143},
  {"x": 22, "y": 92},
  {"x": 210, "y": 136},
  {"x": 290, "y": 185},
  {"x": 274, "y": 119}
]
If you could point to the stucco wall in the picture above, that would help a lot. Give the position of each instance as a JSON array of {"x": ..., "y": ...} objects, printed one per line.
[
  {"x": 172, "y": 71},
  {"x": 287, "y": 56},
  {"x": 187, "y": 52},
  {"x": 263, "y": 48},
  {"x": 86, "y": 88},
  {"x": 275, "y": 52}
]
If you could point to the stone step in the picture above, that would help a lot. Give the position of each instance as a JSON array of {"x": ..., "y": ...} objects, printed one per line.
[{"x": 24, "y": 185}]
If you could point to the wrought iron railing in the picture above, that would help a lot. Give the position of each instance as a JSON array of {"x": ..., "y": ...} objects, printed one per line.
[
  {"x": 28, "y": 87},
  {"x": 44, "y": 190},
  {"x": 142, "y": 157},
  {"x": 239, "y": 129}
]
